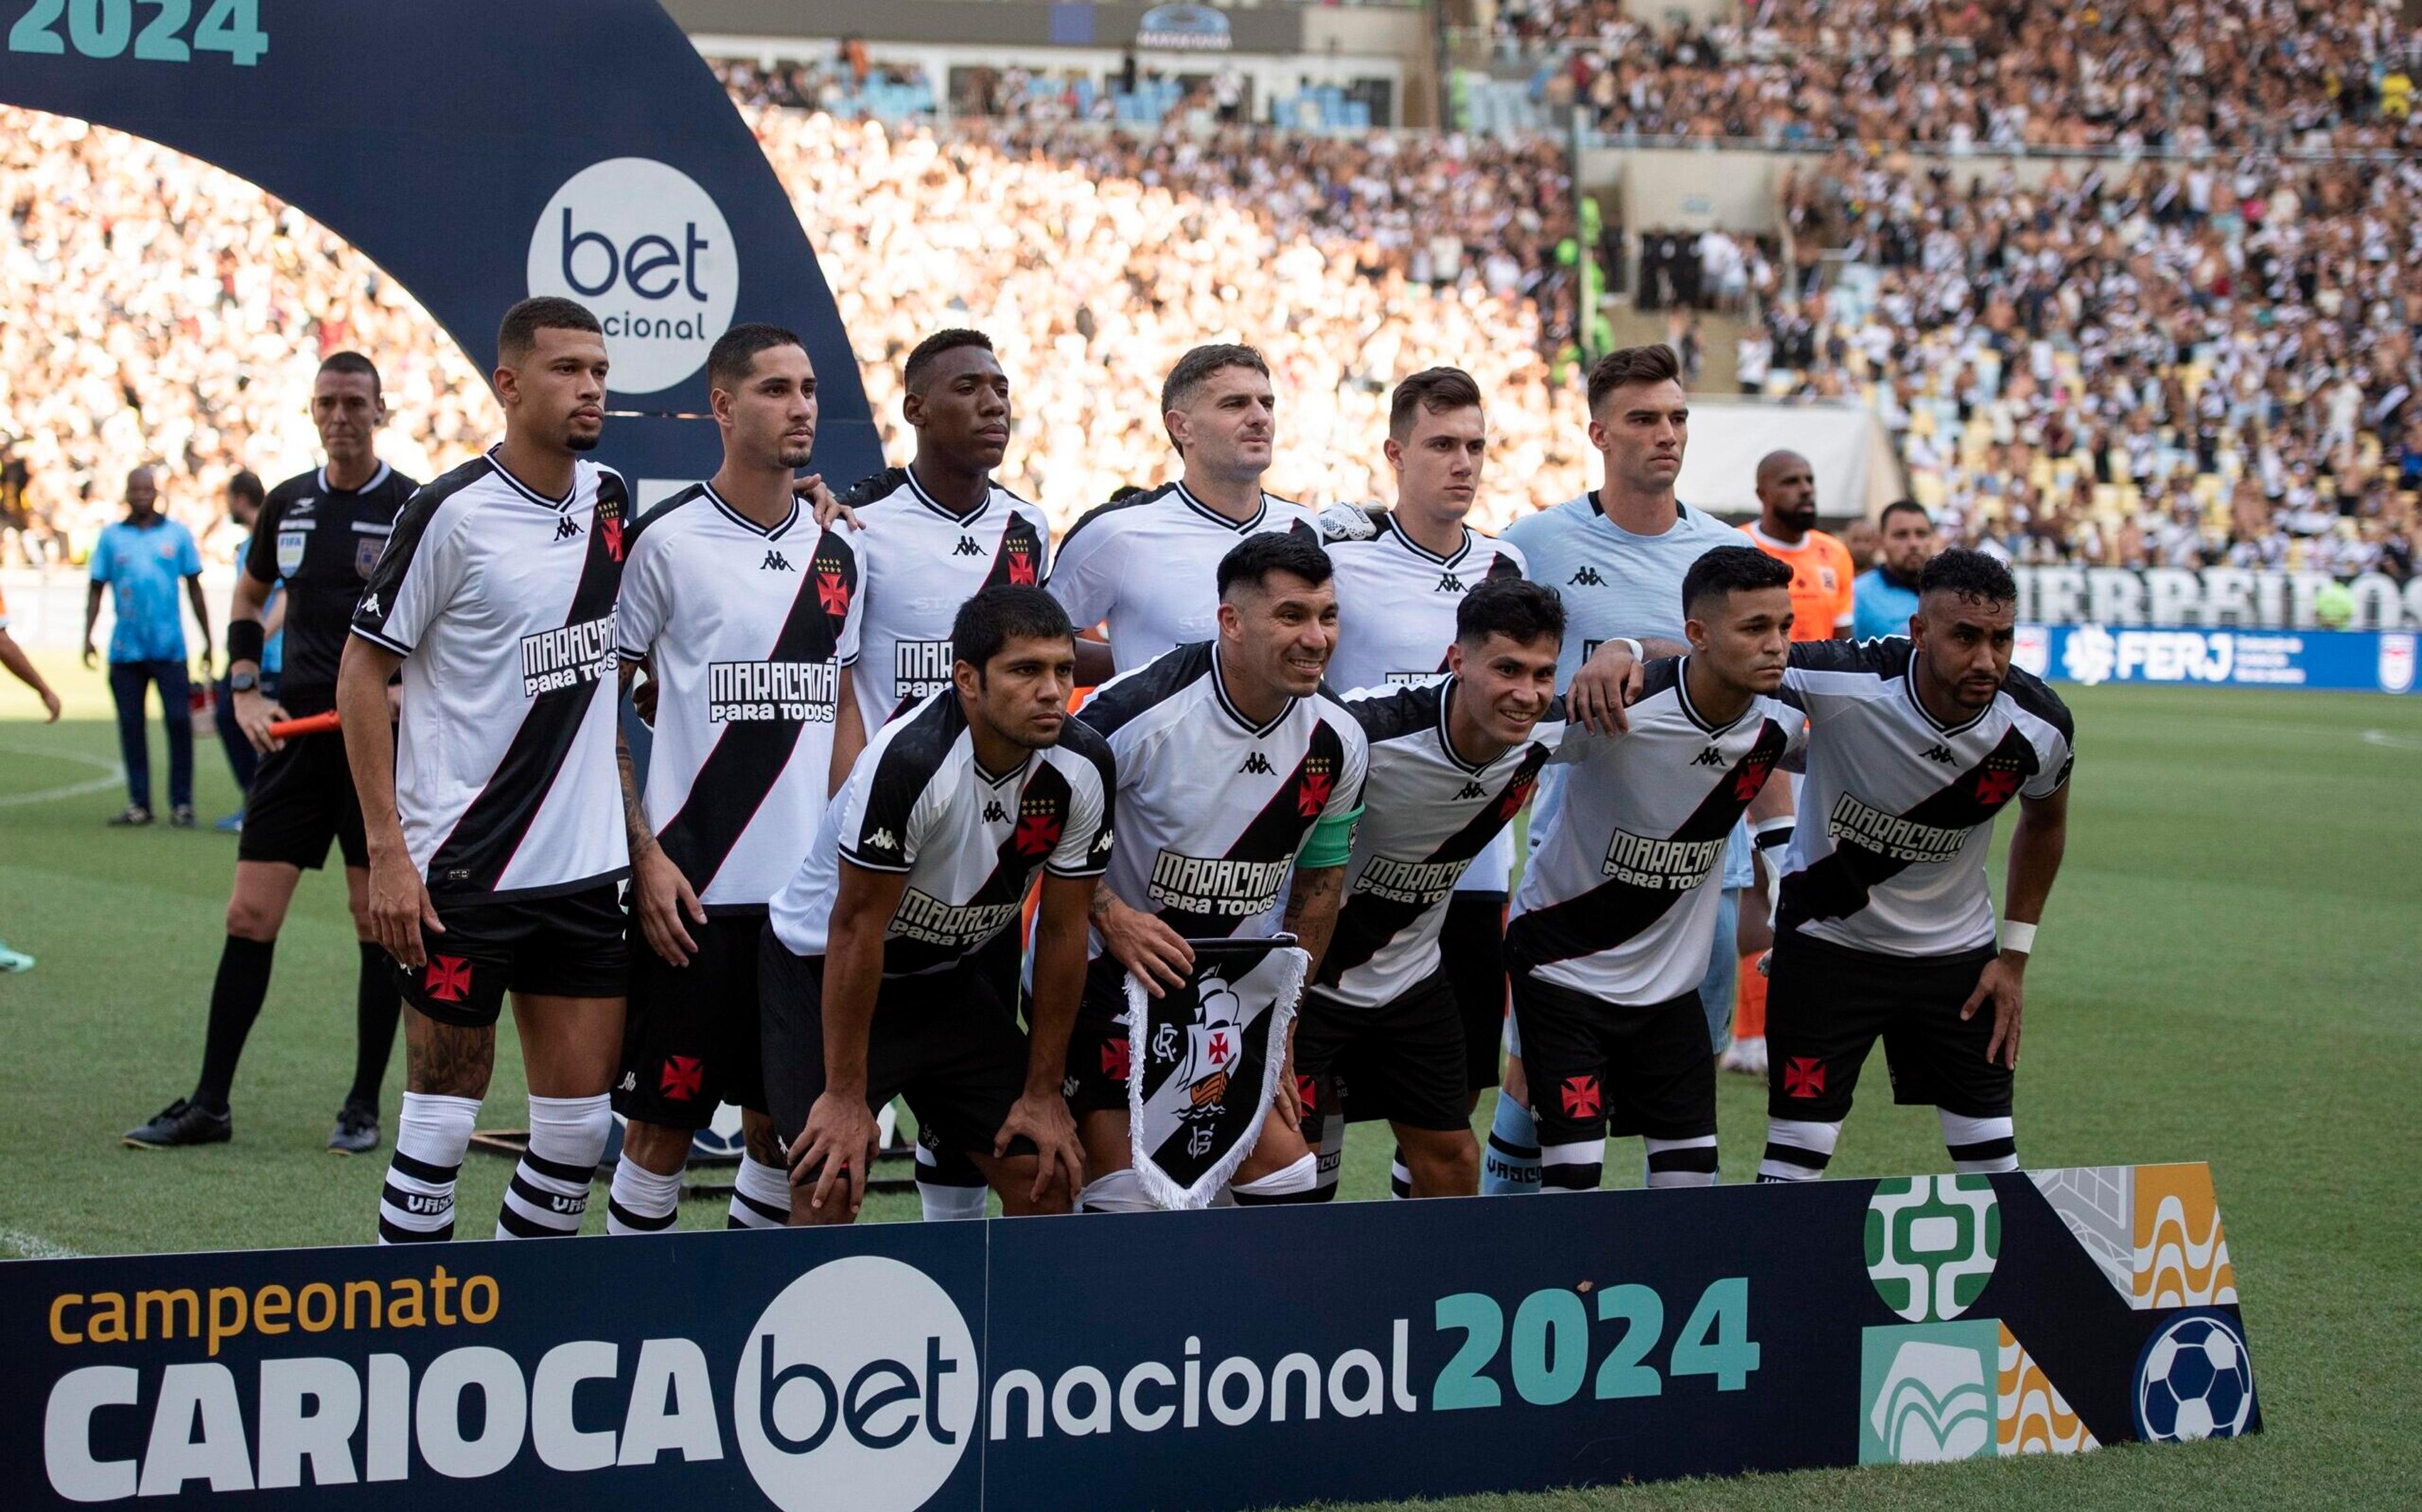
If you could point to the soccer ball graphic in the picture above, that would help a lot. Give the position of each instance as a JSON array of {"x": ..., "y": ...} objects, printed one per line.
[{"x": 2195, "y": 1383}]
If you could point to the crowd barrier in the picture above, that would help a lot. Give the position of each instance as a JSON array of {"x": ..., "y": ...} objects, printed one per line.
[{"x": 1211, "y": 1360}]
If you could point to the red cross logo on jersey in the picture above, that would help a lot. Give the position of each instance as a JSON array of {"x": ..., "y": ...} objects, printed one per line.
[
  {"x": 448, "y": 978},
  {"x": 832, "y": 593},
  {"x": 1021, "y": 568},
  {"x": 611, "y": 526},
  {"x": 1803, "y": 1077},
  {"x": 1115, "y": 1058},
  {"x": 1995, "y": 787},
  {"x": 1313, "y": 795},
  {"x": 1582, "y": 1097},
  {"x": 1751, "y": 779},
  {"x": 1036, "y": 834},
  {"x": 683, "y": 1078},
  {"x": 1515, "y": 795}
]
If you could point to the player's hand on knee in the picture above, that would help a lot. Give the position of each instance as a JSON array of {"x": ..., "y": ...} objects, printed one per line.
[
  {"x": 1157, "y": 953},
  {"x": 820, "y": 498},
  {"x": 664, "y": 900},
  {"x": 2001, "y": 983},
  {"x": 1043, "y": 1119},
  {"x": 835, "y": 1151},
  {"x": 399, "y": 909},
  {"x": 253, "y": 714}
]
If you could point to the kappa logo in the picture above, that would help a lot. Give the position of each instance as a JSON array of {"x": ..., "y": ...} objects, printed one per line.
[
  {"x": 448, "y": 978},
  {"x": 966, "y": 547},
  {"x": 1256, "y": 764},
  {"x": 883, "y": 840},
  {"x": 1709, "y": 757},
  {"x": 682, "y": 1079},
  {"x": 1938, "y": 753},
  {"x": 994, "y": 813},
  {"x": 1448, "y": 583},
  {"x": 1469, "y": 790},
  {"x": 566, "y": 528},
  {"x": 370, "y": 606},
  {"x": 776, "y": 562},
  {"x": 1586, "y": 578}
]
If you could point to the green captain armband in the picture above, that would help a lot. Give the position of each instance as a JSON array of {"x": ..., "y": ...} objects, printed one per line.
[{"x": 1332, "y": 841}]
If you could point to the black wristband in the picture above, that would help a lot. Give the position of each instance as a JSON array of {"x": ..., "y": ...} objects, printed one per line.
[{"x": 245, "y": 641}]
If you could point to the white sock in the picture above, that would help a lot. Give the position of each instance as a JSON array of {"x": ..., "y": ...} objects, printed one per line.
[
  {"x": 548, "y": 1195},
  {"x": 1574, "y": 1167},
  {"x": 1682, "y": 1162},
  {"x": 942, "y": 1199},
  {"x": 1297, "y": 1181},
  {"x": 431, "y": 1135},
  {"x": 642, "y": 1200},
  {"x": 1400, "y": 1175},
  {"x": 1120, "y": 1192},
  {"x": 1979, "y": 1146},
  {"x": 761, "y": 1195},
  {"x": 1797, "y": 1150}
]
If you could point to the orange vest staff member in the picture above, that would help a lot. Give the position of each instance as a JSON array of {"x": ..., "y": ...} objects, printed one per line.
[{"x": 1823, "y": 602}]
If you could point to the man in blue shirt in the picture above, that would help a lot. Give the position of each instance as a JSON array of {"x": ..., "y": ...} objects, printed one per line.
[
  {"x": 140, "y": 560},
  {"x": 1887, "y": 594}
]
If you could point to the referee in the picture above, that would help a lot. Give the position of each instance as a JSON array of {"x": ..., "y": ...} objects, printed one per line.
[{"x": 319, "y": 535}]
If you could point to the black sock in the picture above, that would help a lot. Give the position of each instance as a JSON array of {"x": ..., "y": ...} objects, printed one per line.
[
  {"x": 235, "y": 1001},
  {"x": 378, "y": 1002}
]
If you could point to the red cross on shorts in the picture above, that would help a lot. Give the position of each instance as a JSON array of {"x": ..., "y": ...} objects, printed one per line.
[
  {"x": 832, "y": 593},
  {"x": 1751, "y": 779},
  {"x": 1803, "y": 1077},
  {"x": 1313, "y": 795},
  {"x": 1021, "y": 568},
  {"x": 1996, "y": 787},
  {"x": 1115, "y": 1058},
  {"x": 683, "y": 1078},
  {"x": 448, "y": 978},
  {"x": 1582, "y": 1097},
  {"x": 1037, "y": 834}
]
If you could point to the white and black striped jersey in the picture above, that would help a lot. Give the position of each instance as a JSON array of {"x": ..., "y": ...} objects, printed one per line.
[
  {"x": 1213, "y": 807},
  {"x": 1147, "y": 567},
  {"x": 1613, "y": 902},
  {"x": 970, "y": 841},
  {"x": 1396, "y": 602},
  {"x": 747, "y": 631},
  {"x": 1428, "y": 814},
  {"x": 921, "y": 562},
  {"x": 501, "y": 603},
  {"x": 1896, "y": 811}
]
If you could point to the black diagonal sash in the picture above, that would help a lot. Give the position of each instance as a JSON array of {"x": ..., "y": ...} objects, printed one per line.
[
  {"x": 474, "y": 855},
  {"x": 750, "y": 756},
  {"x": 1615, "y": 910},
  {"x": 1838, "y": 885},
  {"x": 1276, "y": 832},
  {"x": 1041, "y": 816}
]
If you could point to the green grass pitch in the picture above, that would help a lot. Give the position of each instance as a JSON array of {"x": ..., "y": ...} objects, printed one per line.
[{"x": 2228, "y": 972}]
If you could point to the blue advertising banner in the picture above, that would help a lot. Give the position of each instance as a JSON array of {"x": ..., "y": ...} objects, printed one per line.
[
  {"x": 1211, "y": 1360},
  {"x": 2341, "y": 660}
]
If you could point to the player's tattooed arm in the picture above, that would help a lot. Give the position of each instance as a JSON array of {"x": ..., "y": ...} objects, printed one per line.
[{"x": 1312, "y": 910}]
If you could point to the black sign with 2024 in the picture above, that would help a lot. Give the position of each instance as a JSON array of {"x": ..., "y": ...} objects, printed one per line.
[{"x": 1211, "y": 1359}]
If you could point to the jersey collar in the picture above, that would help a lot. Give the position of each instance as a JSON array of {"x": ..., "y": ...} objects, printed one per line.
[
  {"x": 1908, "y": 688},
  {"x": 1241, "y": 527},
  {"x": 1446, "y": 740},
  {"x": 1406, "y": 541},
  {"x": 1768, "y": 542},
  {"x": 1220, "y": 691},
  {"x": 1691, "y": 710},
  {"x": 376, "y": 478},
  {"x": 751, "y": 525},
  {"x": 939, "y": 507},
  {"x": 496, "y": 460}
]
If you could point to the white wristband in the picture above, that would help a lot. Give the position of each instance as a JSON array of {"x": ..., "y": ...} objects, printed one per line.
[
  {"x": 1638, "y": 652},
  {"x": 2018, "y": 937}
]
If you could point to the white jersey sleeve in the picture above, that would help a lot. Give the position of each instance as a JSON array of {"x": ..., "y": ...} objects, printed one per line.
[{"x": 417, "y": 575}]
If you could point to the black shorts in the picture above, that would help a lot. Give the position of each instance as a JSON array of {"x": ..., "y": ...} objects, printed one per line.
[
  {"x": 1403, "y": 1060},
  {"x": 1600, "y": 1069},
  {"x": 303, "y": 798},
  {"x": 944, "y": 1041},
  {"x": 690, "y": 1037},
  {"x": 568, "y": 945},
  {"x": 1471, "y": 946},
  {"x": 1096, "y": 1080},
  {"x": 1826, "y": 1004}
]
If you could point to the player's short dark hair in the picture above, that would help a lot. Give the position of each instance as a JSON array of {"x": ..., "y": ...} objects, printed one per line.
[
  {"x": 1126, "y": 490},
  {"x": 1437, "y": 390},
  {"x": 1627, "y": 365},
  {"x": 729, "y": 359},
  {"x": 246, "y": 485},
  {"x": 1002, "y": 613},
  {"x": 1902, "y": 507},
  {"x": 353, "y": 362},
  {"x": 1196, "y": 368},
  {"x": 1973, "y": 575},
  {"x": 1255, "y": 559},
  {"x": 920, "y": 361},
  {"x": 518, "y": 331},
  {"x": 1729, "y": 570},
  {"x": 1516, "y": 608}
]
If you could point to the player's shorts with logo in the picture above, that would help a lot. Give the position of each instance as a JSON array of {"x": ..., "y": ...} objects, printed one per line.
[
  {"x": 1472, "y": 943},
  {"x": 1401, "y": 1061},
  {"x": 566, "y": 946},
  {"x": 303, "y": 800},
  {"x": 945, "y": 1042},
  {"x": 1096, "y": 1079},
  {"x": 1826, "y": 1004},
  {"x": 691, "y": 1038},
  {"x": 1598, "y": 1069}
]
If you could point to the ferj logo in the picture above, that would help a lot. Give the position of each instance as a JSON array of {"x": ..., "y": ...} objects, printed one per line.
[
  {"x": 647, "y": 250},
  {"x": 1932, "y": 1242}
]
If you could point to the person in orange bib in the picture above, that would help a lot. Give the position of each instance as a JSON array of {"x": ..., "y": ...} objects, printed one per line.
[{"x": 1822, "y": 600}]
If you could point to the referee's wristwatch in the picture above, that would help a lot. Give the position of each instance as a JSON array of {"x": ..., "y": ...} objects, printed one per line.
[{"x": 243, "y": 681}]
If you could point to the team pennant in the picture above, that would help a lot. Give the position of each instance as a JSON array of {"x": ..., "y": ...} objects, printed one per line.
[{"x": 1211, "y": 1051}]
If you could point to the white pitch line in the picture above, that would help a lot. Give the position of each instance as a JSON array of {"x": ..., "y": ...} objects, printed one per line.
[
  {"x": 34, "y": 1247},
  {"x": 2390, "y": 739},
  {"x": 115, "y": 774}
]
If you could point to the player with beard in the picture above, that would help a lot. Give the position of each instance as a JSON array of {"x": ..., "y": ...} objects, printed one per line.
[
  {"x": 1143, "y": 567},
  {"x": 745, "y": 617},
  {"x": 1822, "y": 575},
  {"x": 319, "y": 535},
  {"x": 872, "y": 978},
  {"x": 1233, "y": 764},
  {"x": 495, "y": 831}
]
